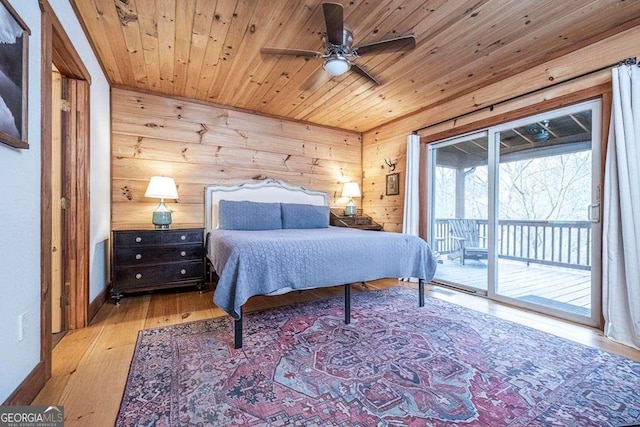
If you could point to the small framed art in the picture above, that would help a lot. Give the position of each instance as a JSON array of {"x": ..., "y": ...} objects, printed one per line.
[{"x": 393, "y": 184}]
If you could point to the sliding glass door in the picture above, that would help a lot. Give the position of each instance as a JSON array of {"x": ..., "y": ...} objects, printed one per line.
[
  {"x": 459, "y": 210},
  {"x": 519, "y": 207},
  {"x": 546, "y": 200}
]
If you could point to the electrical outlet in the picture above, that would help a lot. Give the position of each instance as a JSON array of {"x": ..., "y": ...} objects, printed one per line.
[{"x": 23, "y": 324}]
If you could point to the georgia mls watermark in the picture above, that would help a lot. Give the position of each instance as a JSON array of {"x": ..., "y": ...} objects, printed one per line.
[{"x": 31, "y": 416}]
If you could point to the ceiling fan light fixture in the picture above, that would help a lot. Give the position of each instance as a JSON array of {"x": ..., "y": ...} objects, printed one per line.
[
  {"x": 539, "y": 132},
  {"x": 336, "y": 65},
  {"x": 339, "y": 50}
]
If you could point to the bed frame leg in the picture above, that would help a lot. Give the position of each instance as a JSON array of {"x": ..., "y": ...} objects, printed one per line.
[
  {"x": 237, "y": 332},
  {"x": 347, "y": 303},
  {"x": 420, "y": 293}
]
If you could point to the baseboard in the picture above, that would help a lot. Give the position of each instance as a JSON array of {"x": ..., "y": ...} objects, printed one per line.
[
  {"x": 29, "y": 388},
  {"x": 98, "y": 301}
]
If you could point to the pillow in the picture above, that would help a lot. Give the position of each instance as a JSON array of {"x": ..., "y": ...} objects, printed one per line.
[
  {"x": 248, "y": 215},
  {"x": 304, "y": 216}
]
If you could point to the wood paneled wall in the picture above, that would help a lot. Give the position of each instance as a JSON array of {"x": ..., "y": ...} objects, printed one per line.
[
  {"x": 201, "y": 144},
  {"x": 564, "y": 78}
]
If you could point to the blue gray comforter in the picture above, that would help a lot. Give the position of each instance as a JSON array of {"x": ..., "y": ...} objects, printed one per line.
[{"x": 252, "y": 263}]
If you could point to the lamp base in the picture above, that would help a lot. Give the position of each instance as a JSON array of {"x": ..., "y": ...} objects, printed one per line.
[
  {"x": 161, "y": 216},
  {"x": 350, "y": 209}
]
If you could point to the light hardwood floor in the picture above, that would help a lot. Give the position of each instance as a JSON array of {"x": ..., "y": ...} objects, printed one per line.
[{"x": 90, "y": 365}]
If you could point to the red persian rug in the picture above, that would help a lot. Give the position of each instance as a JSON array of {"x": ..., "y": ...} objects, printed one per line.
[{"x": 395, "y": 365}]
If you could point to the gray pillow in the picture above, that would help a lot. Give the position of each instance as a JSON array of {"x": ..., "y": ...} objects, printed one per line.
[
  {"x": 304, "y": 216},
  {"x": 249, "y": 215}
]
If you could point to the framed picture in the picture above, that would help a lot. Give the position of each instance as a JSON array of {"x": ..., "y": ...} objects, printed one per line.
[
  {"x": 393, "y": 184},
  {"x": 14, "y": 58}
]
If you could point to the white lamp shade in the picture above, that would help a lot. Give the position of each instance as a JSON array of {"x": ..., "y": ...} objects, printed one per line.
[
  {"x": 336, "y": 66},
  {"x": 161, "y": 187},
  {"x": 351, "y": 189}
]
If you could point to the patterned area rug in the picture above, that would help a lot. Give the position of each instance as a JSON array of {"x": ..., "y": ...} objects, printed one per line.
[{"x": 395, "y": 365}]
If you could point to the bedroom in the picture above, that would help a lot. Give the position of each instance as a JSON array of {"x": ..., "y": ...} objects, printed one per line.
[{"x": 545, "y": 74}]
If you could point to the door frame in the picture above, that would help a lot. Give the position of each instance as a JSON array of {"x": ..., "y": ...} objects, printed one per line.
[{"x": 58, "y": 49}]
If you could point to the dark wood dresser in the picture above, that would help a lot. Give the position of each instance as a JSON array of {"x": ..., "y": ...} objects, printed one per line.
[
  {"x": 360, "y": 220},
  {"x": 146, "y": 260}
]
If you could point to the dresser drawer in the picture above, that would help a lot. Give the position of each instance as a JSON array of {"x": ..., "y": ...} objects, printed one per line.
[
  {"x": 355, "y": 220},
  {"x": 128, "y": 278},
  {"x": 360, "y": 221},
  {"x": 157, "y": 254},
  {"x": 136, "y": 238},
  {"x": 182, "y": 236}
]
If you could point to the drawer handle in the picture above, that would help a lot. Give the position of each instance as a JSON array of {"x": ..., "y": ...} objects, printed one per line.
[
  {"x": 138, "y": 276},
  {"x": 138, "y": 256},
  {"x": 183, "y": 271},
  {"x": 138, "y": 239},
  {"x": 183, "y": 253},
  {"x": 183, "y": 237}
]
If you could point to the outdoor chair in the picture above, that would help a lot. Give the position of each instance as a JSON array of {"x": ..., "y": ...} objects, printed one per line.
[{"x": 466, "y": 234}]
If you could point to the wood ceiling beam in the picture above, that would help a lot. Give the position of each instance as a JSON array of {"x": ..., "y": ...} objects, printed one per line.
[
  {"x": 521, "y": 135},
  {"x": 579, "y": 123}
]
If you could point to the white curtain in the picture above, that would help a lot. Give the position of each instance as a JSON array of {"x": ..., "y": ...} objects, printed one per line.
[
  {"x": 621, "y": 219},
  {"x": 411, "y": 218}
]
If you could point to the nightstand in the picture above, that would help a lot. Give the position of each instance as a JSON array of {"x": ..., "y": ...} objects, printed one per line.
[
  {"x": 360, "y": 220},
  {"x": 145, "y": 260}
]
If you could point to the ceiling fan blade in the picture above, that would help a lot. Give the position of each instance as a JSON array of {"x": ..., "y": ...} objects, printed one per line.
[
  {"x": 315, "y": 80},
  {"x": 396, "y": 44},
  {"x": 292, "y": 52},
  {"x": 359, "y": 70},
  {"x": 333, "y": 18}
]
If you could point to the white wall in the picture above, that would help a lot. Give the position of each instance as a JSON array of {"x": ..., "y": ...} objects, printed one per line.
[
  {"x": 20, "y": 204},
  {"x": 20, "y": 230}
]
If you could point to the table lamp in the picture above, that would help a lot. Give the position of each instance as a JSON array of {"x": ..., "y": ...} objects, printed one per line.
[
  {"x": 350, "y": 190},
  {"x": 161, "y": 187}
]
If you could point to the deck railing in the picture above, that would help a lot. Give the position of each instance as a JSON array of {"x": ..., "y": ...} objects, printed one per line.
[{"x": 559, "y": 243}]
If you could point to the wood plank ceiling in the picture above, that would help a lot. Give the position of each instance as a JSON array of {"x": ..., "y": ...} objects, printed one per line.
[{"x": 210, "y": 49}]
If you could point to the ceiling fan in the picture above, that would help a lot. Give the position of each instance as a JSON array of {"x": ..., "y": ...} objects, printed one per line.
[{"x": 339, "y": 54}]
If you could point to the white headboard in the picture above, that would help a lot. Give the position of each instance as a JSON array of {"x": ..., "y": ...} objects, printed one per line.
[{"x": 269, "y": 190}]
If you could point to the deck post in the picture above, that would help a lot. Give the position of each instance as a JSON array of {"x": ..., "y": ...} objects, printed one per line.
[
  {"x": 347, "y": 303},
  {"x": 420, "y": 293},
  {"x": 237, "y": 332}
]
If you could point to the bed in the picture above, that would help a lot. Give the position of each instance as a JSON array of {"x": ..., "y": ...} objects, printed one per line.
[{"x": 254, "y": 254}]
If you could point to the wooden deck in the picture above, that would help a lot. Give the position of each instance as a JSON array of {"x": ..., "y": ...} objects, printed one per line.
[{"x": 563, "y": 288}]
